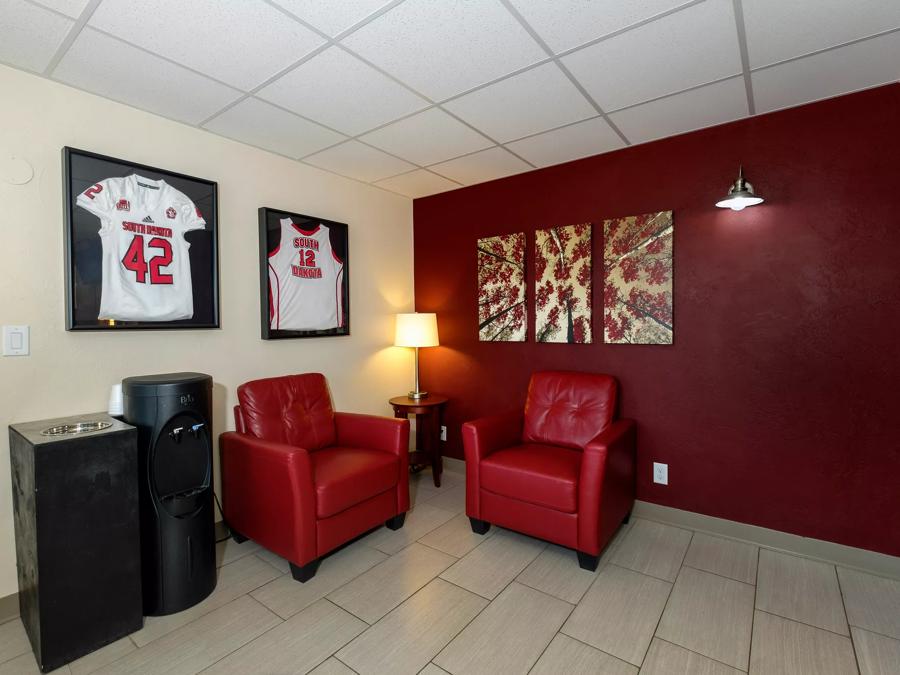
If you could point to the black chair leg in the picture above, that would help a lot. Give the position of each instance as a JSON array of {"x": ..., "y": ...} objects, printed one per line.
[
  {"x": 396, "y": 522},
  {"x": 479, "y": 526},
  {"x": 626, "y": 518},
  {"x": 588, "y": 562},
  {"x": 238, "y": 537},
  {"x": 304, "y": 573}
]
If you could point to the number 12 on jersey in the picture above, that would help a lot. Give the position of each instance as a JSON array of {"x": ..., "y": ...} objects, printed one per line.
[{"x": 135, "y": 260}]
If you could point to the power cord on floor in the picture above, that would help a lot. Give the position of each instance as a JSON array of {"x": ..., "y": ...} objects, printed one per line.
[{"x": 224, "y": 524}]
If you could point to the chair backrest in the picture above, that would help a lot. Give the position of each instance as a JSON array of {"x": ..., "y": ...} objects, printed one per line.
[
  {"x": 568, "y": 408},
  {"x": 293, "y": 409}
]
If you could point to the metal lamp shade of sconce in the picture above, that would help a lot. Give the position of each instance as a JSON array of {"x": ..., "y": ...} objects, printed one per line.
[
  {"x": 740, "y": 195},
  {"x": 416, "y": 330}
]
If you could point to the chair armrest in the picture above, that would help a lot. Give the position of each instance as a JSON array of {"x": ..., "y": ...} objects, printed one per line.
[
  {"x": 387, "y": 434},
  {"x": 606, "y": 484},
  {"x": 268, "y": 494},
  {"x": 372, "y": 431},
  {"x": 481, "y": 437}
]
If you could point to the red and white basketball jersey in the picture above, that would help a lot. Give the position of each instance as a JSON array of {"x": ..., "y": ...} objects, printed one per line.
[
  {"x": 305, "y": 280},
  {"x": 146, "y": 266}
]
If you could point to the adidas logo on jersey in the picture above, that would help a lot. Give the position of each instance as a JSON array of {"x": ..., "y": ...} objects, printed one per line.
[{"x": 148, "y": 219}]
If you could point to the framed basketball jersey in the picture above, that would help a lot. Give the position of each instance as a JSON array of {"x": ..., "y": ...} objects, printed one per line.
[
  {"x": 141, "y": 247},
  {"x": 304, "y": 276}
]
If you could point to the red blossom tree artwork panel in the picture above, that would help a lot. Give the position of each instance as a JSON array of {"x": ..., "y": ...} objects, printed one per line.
[
  {"x": 562, "y": 286},
  {"x": 637, "y": 285},
  {"x": 501, "y": 289}
]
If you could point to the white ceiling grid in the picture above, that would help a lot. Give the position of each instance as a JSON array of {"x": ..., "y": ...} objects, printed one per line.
[{"x": 422, "y": 96}]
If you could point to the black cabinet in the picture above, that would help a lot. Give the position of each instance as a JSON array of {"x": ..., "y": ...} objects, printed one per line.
[{"x": 75, "y": 502}]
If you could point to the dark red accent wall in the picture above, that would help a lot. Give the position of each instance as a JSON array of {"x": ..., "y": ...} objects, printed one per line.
[{"x": 778, "y": 403}]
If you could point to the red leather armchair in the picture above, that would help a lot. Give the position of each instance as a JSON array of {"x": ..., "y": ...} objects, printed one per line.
[
  {"x": 301, "y": 479},
  {"x": 562, "y": 471}
]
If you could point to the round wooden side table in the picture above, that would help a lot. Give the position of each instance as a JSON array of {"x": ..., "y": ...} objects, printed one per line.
[{"x": 429, "y": 413}]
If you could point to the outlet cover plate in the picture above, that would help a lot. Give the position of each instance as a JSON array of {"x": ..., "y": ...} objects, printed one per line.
[{"x": 660, "y": 473}]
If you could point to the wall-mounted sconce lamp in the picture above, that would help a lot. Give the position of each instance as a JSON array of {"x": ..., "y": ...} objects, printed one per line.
[{"x": 740, "y": 195}]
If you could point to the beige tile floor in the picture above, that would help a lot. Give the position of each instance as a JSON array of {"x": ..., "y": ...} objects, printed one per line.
[{"x": 433, "y": 598}]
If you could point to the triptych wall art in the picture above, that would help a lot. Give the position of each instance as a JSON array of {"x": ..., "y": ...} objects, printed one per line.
[
  {"x": 637, "y": 283},
  {"x": 502, "y": 315}
]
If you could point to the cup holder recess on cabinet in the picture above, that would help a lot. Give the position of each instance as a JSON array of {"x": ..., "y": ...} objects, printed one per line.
[{"x": 77, "y": 428}]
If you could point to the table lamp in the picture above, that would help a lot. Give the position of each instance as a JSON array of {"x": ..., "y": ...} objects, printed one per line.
[{"x": 416, "y": 330}]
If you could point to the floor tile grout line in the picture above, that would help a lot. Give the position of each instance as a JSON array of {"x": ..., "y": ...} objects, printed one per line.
[
  {"x": 753, "y": 622},
  {"x": 668, "y": 598},
  {"x": 586, "y": 644},
  {"x": 717, "y": 574},
  {"x": 652, "y": 576},
  {"x": 239, "y": 647},
  {"x": 847, "y": 618},
  {"x": 873, "y": 632},
  {"x": 490, "y": 601},
  {"x": 335, "y": 657},
  {"x": 432, "y": 580},
  {"x": 550, "y": 641},
  {"x": 694, "y": 651},
  {"x": 804, "y": 623},
  {"x": 344, "y": 609}
]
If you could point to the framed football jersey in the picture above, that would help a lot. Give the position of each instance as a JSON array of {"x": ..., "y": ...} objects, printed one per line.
[
  {"x": 141, "y": 246},
  {"x": 303, "y": 276}
]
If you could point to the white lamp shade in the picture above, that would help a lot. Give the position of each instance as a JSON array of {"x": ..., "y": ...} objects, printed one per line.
[{"x": 416, "y": 330}]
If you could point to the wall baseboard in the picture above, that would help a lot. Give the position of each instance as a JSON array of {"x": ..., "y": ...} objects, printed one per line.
[
  {"x": 827, "y": 551},
  {"x": 9, "y": 607}
]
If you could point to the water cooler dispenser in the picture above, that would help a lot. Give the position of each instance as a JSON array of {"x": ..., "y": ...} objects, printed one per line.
[{"x": 173, "y": 415}]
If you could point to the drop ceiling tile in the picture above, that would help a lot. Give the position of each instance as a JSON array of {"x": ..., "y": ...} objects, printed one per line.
[
  {"x": 29, "y": 35},
  {"x": 538, "y": 99},
  {"x": 359, "y": 161},
  {"x": 444, "y": 48},
  {"x": 71, "y": 8},
  {"x": 695, "y": 109},
  {"x": 481, "y": 166},
  {"x": 564, "y": 24},
  {"x": 418, "y": 183},
  {"x": 778, "y": 30},
  {"x": 583, "y": 139},
  {"x": 350, "y": 96},
  {"x": 682, "y": 50},
  {"x": 105, "y": 66},
  {"x": 241, "y": 43},
  {"x": 427, "y": 137},
  {"x": 265, "y": 126},
  {"x": 838, "y": 71},
  {"x": 332, "y": 17}
]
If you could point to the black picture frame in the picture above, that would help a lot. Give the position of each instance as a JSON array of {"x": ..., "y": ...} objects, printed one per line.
[
  {"x": 84, "y": 265},
  {"x": 270, "y": 242}
]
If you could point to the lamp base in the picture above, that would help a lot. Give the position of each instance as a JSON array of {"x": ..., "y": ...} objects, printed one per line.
[{"x": 416, "y": 395}]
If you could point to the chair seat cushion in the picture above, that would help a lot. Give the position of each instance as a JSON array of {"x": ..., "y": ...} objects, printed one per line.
[
  {"x": 546, "y": 475},
  {"x": 346, "y": 476}
]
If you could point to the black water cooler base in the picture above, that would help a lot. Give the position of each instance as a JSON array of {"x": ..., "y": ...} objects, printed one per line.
[{"x": 173, "y": 414}]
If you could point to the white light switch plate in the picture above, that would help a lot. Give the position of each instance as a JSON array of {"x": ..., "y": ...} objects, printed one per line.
[{"x": 16, "y": 340}]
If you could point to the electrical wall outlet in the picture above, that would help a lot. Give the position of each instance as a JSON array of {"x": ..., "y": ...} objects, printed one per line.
[
  {"x": 443, "y": 433},
  {"x": 660, "y": 473}
]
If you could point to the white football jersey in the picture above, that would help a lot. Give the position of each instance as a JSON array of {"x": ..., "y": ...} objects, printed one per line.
[
  {"x": 305, "y": 280},
  {"x": 146, "y": 266}
]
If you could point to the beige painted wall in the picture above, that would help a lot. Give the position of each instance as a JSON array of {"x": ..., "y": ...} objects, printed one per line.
[{"x": 69, "y": 373}]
